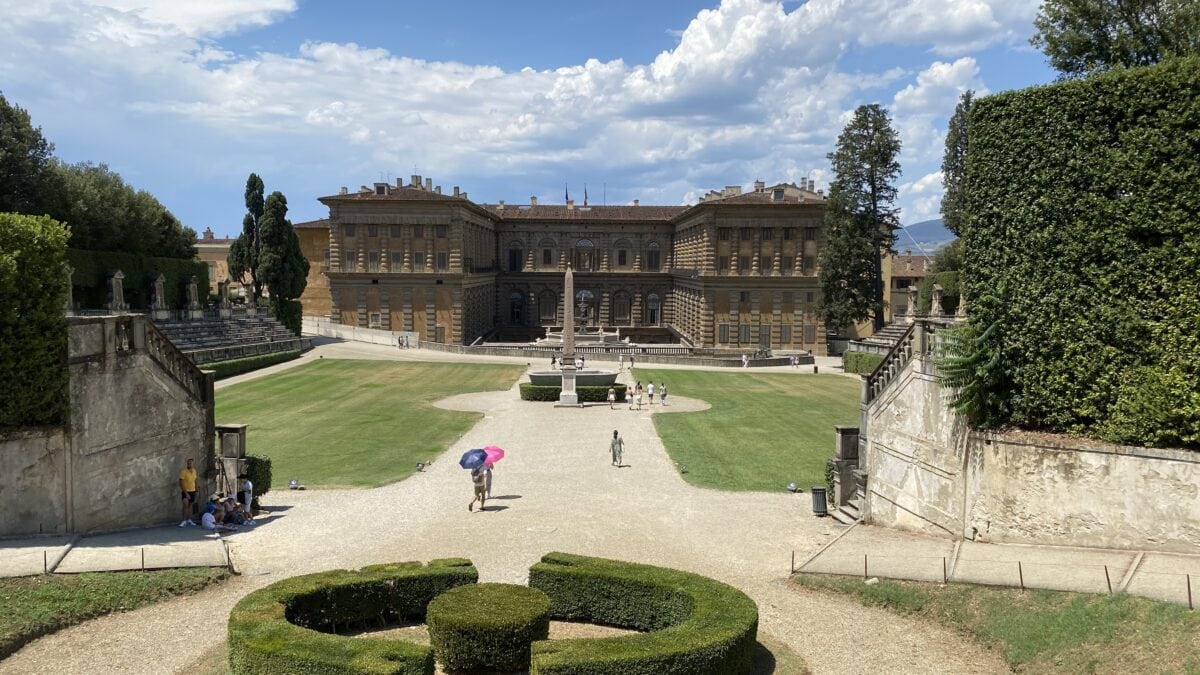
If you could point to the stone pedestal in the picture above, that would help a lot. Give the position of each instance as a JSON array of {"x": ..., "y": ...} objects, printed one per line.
[{"x": 568, "y": 396}]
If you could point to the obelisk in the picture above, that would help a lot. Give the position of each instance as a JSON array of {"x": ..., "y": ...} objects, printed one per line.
[{"x": 568, "y": 396}]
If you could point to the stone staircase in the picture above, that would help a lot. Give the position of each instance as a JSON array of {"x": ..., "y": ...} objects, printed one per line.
[
  {"x": 885, "y": 338},
  {"x": 848, "y": 514},
  {"x": 210, "y": 340}
]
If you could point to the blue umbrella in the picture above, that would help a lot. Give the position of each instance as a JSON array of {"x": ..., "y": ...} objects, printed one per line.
[{"x": 473, "y": 458}]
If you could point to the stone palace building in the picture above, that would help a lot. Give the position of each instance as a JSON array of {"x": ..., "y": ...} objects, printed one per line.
[{"x": 738, "y": 269}]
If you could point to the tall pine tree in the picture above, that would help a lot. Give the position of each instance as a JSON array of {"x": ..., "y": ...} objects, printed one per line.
[
  {"x": 282, "y": 267},
  {"x": 861, "y": 219},
  {"x": 954, "y": 165},
  {"x": 245, "y": 251}
]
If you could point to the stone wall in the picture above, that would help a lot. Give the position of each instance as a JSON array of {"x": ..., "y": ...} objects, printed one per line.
[
  {"x": 928, "y": 472},
  {"x": 138, "y": 410},
  {"x": 322, "y": 326}
]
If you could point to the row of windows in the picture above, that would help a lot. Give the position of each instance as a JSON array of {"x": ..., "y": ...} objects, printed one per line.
[
  {"x": 418, "y": 231},
  {"x": 807, "y": 264},
  {"x": 441, "y": 261},
  {"x": 744, "y": 296},
  {"x": 765, "y": 233},
  {"x": 583, "y": 259},
  {"x": 785, "y": 333}
]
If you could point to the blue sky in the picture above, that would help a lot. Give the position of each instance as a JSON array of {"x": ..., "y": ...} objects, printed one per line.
[{"x": 657, "y": 101}]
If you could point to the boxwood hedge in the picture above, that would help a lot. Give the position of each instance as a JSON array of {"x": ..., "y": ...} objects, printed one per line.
[
  {"x": 860, "y": 362},
  {"x": 487, "y": 626},
  {"x": 291, "y": 626},
  {"x": 1082, "y": 255},
  {"x": 535, "y": 392},
  {"x": 233, "y": 367},
  {"x": 697, "y": 625}
]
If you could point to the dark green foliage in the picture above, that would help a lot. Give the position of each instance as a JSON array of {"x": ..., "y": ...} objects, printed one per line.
[
  {"x": 107, "y": 214},
  {"x": 258, "y": 470},
  {"x": 954, "y": 165},
  {"x": 950, "y": 293},
  {"x": 487, "y": 626},
  {"x": 33, "y": 332},
  {"x": 533, "y": 392},
  {"x": 698, "y": 626},
  {"x": 290, "y": 626},
  {"x": 1081, "y": 37},
  {"x": 233, "y": 367},
  {"x": 860, "y": 362},
  {"x": 92, "y": 269},
  {"x": 1156, "y": 407},
  {"x": 24, "y": 161},
  {"x": 281, "y": 265},
  {"x": 949, "y": 258},
  {"x": 1082, "y": 252},
  {"x": 244, "y": 252},
  {"x": 290, "y": 313},
  {"x": 861, "y": 219}
]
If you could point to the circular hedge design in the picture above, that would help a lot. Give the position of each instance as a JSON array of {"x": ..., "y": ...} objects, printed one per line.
[{"x": 487, "y": 626}]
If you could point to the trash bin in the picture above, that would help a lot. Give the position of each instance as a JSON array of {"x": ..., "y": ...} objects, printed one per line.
[{"x": 820, "y": 509}]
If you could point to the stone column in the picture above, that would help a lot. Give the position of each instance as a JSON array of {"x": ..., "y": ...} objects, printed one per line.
[
  {"x": 69, "y": 307},
  {"x": 116, "y": 289},
  {"x": 568, "y": 395}
]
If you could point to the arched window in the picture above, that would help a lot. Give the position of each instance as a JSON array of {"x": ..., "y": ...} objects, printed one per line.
[
  {"x": 653, "y": 257},
  {"x": 516, "y": 257},
  {"x": 516, "y": 308},
  {"x": 548, "y": 308},
  {"x": 585, "y": 308},
  {"x": 585, "y": 255},
  {"x": 623, "y": 254},
  {"x": 621, "y": 309},
  {"x": 653, "y": 309},
  {"x": 546, "y": 259}
]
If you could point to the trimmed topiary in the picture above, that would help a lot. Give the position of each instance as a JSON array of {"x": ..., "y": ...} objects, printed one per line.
[
  {"x": 698, "y": 626},
  {"x": 291, "y": 626},
  {"x": 535, "y": 392},
  {"x": 487, "y": 626}
]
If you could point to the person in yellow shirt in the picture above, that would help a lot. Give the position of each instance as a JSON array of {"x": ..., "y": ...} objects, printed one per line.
[{"x": 187, "y": 490}]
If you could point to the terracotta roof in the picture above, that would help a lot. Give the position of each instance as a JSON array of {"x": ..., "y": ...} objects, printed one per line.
[
  {"x": 562, "y": 212},
  {"x": 911, "y": 265},
  {"x": 764, "y": 198},
  {"x": 321, "y": 224}
]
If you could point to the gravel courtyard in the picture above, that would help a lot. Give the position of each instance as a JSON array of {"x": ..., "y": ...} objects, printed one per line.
[{"x": 554, "y": 491}]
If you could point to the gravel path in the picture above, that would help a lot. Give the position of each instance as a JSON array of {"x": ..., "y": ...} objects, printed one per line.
[{"x": 555, "y": 491}]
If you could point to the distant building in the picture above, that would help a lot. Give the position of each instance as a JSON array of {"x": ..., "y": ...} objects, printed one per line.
[
  {"x": 215, "y": 253},
  {"x": 736, "y": 270},
  {"x": 907, "y": 271}
]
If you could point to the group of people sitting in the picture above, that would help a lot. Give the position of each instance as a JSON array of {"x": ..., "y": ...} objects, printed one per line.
[{"x": 221, "y": 512}]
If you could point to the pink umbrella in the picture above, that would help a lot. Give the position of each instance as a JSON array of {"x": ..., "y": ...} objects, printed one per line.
[{"x": 494, "y": 454}]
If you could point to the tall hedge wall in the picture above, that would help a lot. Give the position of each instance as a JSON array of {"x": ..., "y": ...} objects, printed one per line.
[
  {"x": 33, "y": 332},
  {"x": 1082, "y": 255},
  {"x": 93, "y": 267}
]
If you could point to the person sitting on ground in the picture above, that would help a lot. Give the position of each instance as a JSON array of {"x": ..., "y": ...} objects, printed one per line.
[
  {"x": 208, "y": 521},
  {"x": 233, "y": 512}
]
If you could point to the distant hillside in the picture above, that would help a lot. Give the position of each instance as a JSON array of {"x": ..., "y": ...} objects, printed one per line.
[{"x": 929, "y": 235}]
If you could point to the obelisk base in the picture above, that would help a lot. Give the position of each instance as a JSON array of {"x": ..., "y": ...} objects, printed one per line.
[{"x": 568, "y": 397}]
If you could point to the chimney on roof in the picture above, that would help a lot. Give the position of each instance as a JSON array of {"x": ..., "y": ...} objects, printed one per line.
[
  {"x": 759, "y": 186},
  {"x": 415, "y": 181},
  {"x": 907, "y": 251},
  {"x": 429, "y": 185},
  {"x": 731, "y": 190},
  {"x": 804, "y": 184},
  {"x": 343, "y": 190},
  {"x": 208, "y": 234},
  {"x": 637, "y": 202},
  {"x": 570, "y": 204},
  {"x": 455, "y": 190},
  {"x": 533, "y": 201},
  {"x": 399, "y": 182},
  {"x": 463, "y": 194},
  {"x": 438, "y": 189},
  {"x": 820, "y": 193},
  {"x": 501, "y": 206}
]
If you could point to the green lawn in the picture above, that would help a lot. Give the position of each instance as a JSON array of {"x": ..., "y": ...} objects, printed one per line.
[
  {"x": 1045, "y": 631},
  {"x": 31, "y": 607},
  {"x": 764, "y": 430},
  {"x": 338, "y": 422}
]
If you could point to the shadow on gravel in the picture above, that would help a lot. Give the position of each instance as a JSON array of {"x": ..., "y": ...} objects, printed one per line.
[
  {"x": 489, "y": 509},
  {"x": 505, "y": 497}
]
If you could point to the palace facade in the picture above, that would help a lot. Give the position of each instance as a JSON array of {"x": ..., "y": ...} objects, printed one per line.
[{"x": 738, "y": 269}]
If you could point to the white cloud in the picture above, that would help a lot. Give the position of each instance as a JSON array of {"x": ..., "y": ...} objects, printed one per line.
[{"x": 924, "y": 197}]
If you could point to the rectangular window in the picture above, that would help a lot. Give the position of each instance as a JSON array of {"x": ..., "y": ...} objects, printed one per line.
[
  {"x": 723, "y": 233},
  {"x": 395, "y": 231},
  {"x": 789, "y": 233},
  {"x": 373, "y": 261},
  {"x": 901, "y": 284},
  {"x": 723, "y": 333},
  {"x": 744, "y": 234},
  {"x": 514, "y": 260},
  {"x": 744, "y": 333},
  {"x": 397, "y": 261},
  {"x": 810, "y": 333},
  {"x": 743, "y": 296},
  {"x": 348, "y": 230},
  {"x": 810, "y": 234},
  {"x": 764, "y": 264},
  {"x": 418, "y": 231},
  {"x": 443, "y": 260},
  {"x": 723, "y": 263},
  {"x": 439, "y": 231},
  {"x": 351, "y": 261},
  {"x": 785, "y": 334},
  {"x": 744, "y": 264},
  {"x": 419, "y": 261},
  {"x": 786, "y": 265},
  {"x": 622, "y": 257},
  {"x": 764, "y": 334},
  {"x": 326, "y": 258},
  {"x": 547, "y": 254},
  {"x": 652, "y": 260},
  {"x": 375, "y": 320},
  {"x": 808, "y": 297},
  {"x": 372, "y": 230},
  {"x": 768, "y": 234},
  {"x": 808, "y": 263}
]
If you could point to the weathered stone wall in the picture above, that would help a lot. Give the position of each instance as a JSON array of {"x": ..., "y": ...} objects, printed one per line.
[
  {"x": 132, "y": 426},
  {"x": 928, "y": 472}
]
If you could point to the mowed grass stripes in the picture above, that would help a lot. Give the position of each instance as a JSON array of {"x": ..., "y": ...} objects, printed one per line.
[
  {"x": 337, "y": 423},
  {"x": 764, "y": 430}
]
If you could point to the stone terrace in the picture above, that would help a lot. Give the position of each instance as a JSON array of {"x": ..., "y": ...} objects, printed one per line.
[{"x": 212, "y": 340}]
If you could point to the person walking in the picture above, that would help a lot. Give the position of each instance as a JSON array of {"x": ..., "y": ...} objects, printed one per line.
[
  {"x": 631, "y": 363},
  {"x": 187, "y": 491},
  {"x": 620, "y": 362},
  {"x": 612, "y": 397},
  {"x": 650, "y": 392},
  {"x": 479, "y": 479},
  {"x": 553, "y": 361},
  {"x": 489, "y": 466},
  {"x": 618, "y": 449},
  {"x": 662, "y": 393}
]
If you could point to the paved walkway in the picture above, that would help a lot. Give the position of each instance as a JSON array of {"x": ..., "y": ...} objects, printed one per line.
[{"x": 555, "y": 491}]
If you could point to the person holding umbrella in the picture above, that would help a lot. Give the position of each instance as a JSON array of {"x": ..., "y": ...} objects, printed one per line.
[{"x": 479, "y": 478}]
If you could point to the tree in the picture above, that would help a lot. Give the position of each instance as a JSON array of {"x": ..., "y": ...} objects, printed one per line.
[
  {"x": 24, "y": 160},
  {"x": 954, "y": 165},
  {"x": 1085, "y": 36},
  {"x": 861, "y": 219},
  {"x": 282, "y": 267},
  {"x": 244, "y": 252}
]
